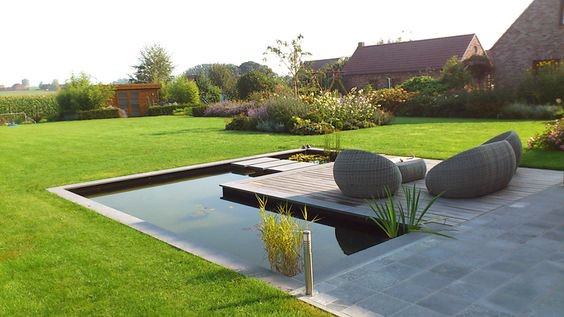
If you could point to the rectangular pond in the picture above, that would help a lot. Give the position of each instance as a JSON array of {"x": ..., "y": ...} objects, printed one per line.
[{"x": 194, "y": 210}]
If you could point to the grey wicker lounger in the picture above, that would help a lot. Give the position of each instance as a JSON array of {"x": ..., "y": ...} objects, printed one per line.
[
  {"x": 363, "y": 174},
  {"x": 479, "y": 171},
  {"x": 513, "y": 138}
]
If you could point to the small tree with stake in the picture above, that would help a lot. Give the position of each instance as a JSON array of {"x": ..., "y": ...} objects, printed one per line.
[{"x": 291, "y": 56}]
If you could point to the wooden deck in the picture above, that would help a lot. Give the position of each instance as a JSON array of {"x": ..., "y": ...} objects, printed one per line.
[{"x": 315, "y": 186}]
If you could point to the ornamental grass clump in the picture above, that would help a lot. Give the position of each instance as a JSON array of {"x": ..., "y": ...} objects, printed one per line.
[
  {"x": 282, "y": 237},
  {"x": 394, "y": 219}
]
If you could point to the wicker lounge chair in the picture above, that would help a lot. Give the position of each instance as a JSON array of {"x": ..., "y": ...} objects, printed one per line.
[
  {"x": 513, "y": 138},
  {"x": 473, "y": 173},
  {"x": 363, "y": 174}
]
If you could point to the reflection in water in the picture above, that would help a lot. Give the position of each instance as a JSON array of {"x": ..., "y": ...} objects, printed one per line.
[{"x": 194, "y": 211}]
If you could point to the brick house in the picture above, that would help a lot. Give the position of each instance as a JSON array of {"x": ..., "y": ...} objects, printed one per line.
[
  {"x": 390, "y": 64},
  {"x": 537, "y": 35}
]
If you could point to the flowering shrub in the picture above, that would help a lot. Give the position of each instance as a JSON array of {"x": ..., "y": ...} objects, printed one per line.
[
  {"x": 315, "y": 114},
  {"x": 551, "y": 139},
  {"x": 390, "y": 99},
  {"x": 308, "y": 127},
  {"x": 228, "y": 108}
]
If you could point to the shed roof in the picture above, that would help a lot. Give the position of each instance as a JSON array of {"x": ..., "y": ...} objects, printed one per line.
[{"x": 407, "y": 56}]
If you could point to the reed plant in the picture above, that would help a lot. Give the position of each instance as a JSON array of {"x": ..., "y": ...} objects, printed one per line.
[{"x": 281, "y": 234}]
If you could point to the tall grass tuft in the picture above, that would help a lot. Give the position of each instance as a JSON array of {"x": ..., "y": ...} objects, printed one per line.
[
  {"x": 282, "y": 237},
  {"x": 393, "y": 218}
]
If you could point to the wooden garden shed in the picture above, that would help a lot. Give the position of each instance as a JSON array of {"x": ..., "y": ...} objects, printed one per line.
[{"x": 135, "y": 99}]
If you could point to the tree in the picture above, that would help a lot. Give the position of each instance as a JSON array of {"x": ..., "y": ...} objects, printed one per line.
[
  {"x": 182, "y": 91},
  {"x": 249, "y": 66},
  {"x": 290, "y": 54},
  {"x": 224, "y": 76},
  {"x": 255, "y": 81},
  {"x": 209, "y": 93},
  {"x": 55, "y": 85},
  {"x": 155, "y": 66},
  {"x": 81, "y": 94},
  {"x": 454, "y": 75}
]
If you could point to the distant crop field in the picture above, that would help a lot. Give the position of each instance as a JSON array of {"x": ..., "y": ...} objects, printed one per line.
[{"x": 26, "y": 93}]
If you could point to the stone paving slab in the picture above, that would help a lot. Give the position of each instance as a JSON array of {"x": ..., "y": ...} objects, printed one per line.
[{"x": 508, "y": 262}]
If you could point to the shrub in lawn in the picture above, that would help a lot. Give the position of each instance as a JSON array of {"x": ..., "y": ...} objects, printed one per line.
[
  {"x": 102, "y": 113},
  {"x": 551, "y": 139},
  {"x": 390, "y": 99},
  {"x": 242, "y": 122},
  {"x": 35, "y": 107},
  {"x": 79, "y": 94},
  {"x": 308, "y": 127},
  {"x": 254, "y": 81},
  {"x": 228, "y": 108},
  {"x": 198, "y": 111},
  {"x": 524, "y": 111},
  {"x": 181, "y": 90},
  {"x": 280, "y": 110}
]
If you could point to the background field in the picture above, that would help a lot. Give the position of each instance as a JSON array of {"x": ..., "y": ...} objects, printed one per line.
[{"x": 26, "y": 93}]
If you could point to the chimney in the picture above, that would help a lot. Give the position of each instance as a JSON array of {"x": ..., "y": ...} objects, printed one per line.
[{"x": 360, "y": 44}]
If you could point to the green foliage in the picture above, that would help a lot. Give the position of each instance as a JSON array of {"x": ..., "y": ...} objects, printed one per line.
[
  {"x": 166, "y": 110},
  {"x": 426, "y": 85},
  {"x": 250, "y": 66},
  {"x": 37, "y": 107},
  {"x": 198, "y": 111},
  {"x": 225, "y": 77},
  {"x": 390, "y": 99},
  {"x": 308, "y": 127},
  {"x": 253, "y": 82},
  {"x": 394, "y": 219},
  {"x": 454, "y": 75},
  {"x": 551, "y": 139},
  {"x": 282, "y": 237},
  {"x": 242, "y": 122},
  {"x": 80, "y": 94},
  {"x": 524, "y": 111},
  {"x": 102, "y": 113},
  {"x": 282, "y": 109},
  {"x": 310, "y": 158},
  {"x": 181, "y": 90},
  {"x": 155, "y": 66},
  {"x": 545, "y": 85},
  {"x": 209, "y": 93}
]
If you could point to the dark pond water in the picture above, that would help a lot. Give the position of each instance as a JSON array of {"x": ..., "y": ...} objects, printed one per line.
[{"x": 193, "y": 209}]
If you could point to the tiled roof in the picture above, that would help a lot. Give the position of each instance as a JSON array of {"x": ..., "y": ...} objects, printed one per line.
[
  {"x": 320, "y": 63},
  {"x": 406, "y": 56}
]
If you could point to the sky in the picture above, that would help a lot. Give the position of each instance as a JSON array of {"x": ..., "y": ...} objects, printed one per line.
[{"x": 43, "y": 40}]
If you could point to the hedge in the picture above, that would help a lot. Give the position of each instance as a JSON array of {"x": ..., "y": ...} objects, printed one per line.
[
  {"x": 36, "y": 107},
  {"x": 198, "y": 111},
  {"x": 166, "y": 110},
  {"x": 104, "y": 113}
]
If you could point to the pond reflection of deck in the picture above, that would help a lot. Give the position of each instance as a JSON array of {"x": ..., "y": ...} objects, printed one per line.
[{"x": 314, "y": 186}]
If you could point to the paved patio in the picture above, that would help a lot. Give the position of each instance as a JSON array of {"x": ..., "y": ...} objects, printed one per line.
[{"x": 508, "y": 262}]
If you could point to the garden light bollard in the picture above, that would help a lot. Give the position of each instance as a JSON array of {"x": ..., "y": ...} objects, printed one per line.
[{"x": 308, "y": 263}]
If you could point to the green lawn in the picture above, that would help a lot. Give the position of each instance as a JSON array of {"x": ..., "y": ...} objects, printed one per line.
[{"x": 57, "y": 258}]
